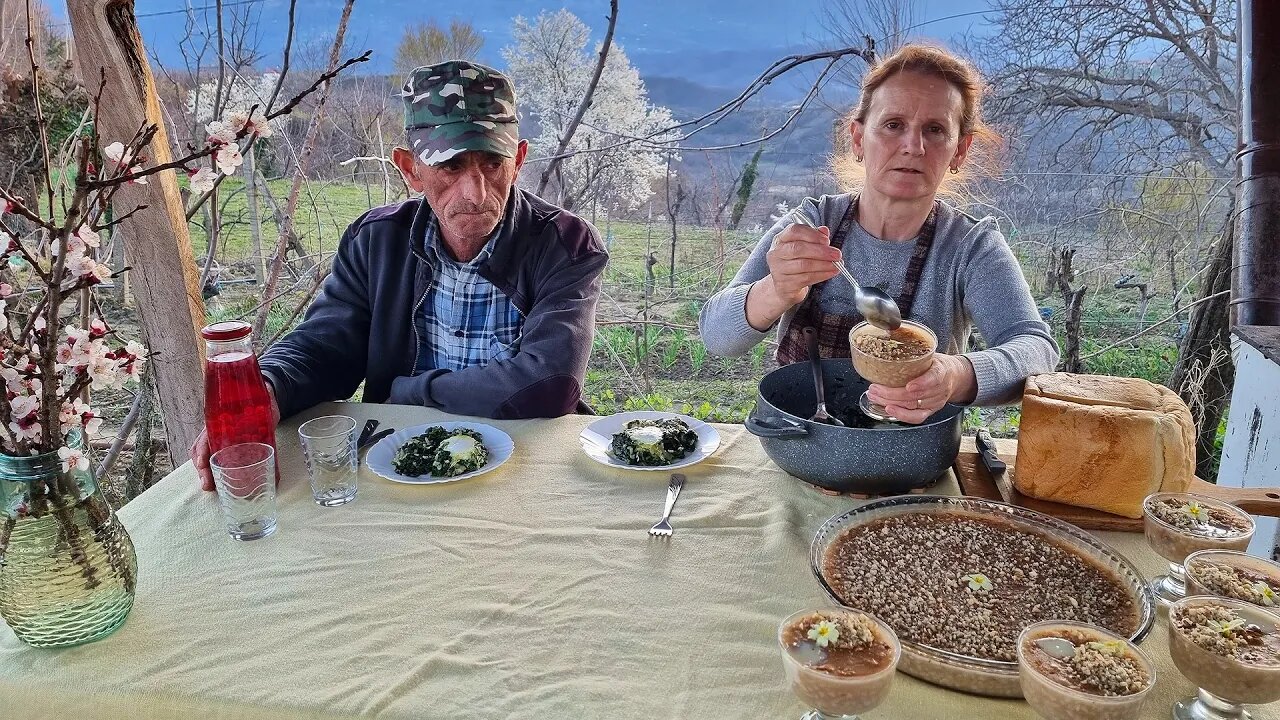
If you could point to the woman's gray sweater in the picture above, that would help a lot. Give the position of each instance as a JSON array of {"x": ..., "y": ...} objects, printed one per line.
[{"x": 970, "y": 278}]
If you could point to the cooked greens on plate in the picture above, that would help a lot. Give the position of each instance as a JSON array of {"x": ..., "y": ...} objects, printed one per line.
[
  {"x": 441, "y": 453},
  {"x": 653, "y": 442}
]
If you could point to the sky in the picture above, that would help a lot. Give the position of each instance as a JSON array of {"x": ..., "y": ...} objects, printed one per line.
[{"x": 660, "y": 36}]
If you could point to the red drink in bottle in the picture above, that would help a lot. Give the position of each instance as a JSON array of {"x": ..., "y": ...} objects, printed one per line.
[{"x": 237, "y": 407}]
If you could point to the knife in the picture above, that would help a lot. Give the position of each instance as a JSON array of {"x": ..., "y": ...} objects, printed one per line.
[
  {"x": 987, "y": 450},
  {"x": 369, "y": 426},
  {"x": 374, "y": 438}
]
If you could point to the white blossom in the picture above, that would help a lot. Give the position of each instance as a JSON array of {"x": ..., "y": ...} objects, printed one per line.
[
  {"x": 29, "y": 431},
  {"x": 220, "y": 133},
  {"x": 116, "y": 153},
  {"x": 551, "y": 62},
  {"x": 23, "y": 406},
  {"x": 4, "y": 316},
  {"x": 228, "y": 158},
  {"x": 202, "y": 180},
  {"x": 73, "y": 458}
]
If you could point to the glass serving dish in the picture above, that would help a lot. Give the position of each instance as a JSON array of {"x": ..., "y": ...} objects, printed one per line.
[{"x": 969, "y": 673}]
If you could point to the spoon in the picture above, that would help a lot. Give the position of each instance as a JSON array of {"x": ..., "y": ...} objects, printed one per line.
[
  {"x": 873, "y": 303},
  {"x": 815, "y": 360},
  {"x": 1060, "y": 648}
]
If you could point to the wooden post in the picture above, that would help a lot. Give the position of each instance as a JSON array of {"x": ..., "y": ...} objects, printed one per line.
[{"x": 167, "y": 288}]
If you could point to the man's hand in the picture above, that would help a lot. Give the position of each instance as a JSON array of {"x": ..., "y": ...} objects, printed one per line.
[
  {"x": 800, "y": 257},
  {"x": 200, "y": 450},
  {"x": 949, "y": 379}
]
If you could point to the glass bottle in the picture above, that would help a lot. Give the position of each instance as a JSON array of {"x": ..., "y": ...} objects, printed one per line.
[{"x": 237, "y": 407}]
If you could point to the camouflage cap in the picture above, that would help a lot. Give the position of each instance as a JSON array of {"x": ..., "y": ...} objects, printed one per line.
[{"x": 456, "y": 106}]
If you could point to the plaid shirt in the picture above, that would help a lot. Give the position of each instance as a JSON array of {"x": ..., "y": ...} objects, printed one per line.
[{"x": 464, "y": 321}]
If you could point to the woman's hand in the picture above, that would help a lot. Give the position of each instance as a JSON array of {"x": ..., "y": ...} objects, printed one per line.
[
  {"x": 949, "y": 379},
  {"x": 799, "y": 258}
]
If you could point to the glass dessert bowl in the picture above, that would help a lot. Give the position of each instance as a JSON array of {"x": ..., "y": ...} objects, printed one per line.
[
  {"x": 1234, "y": 574},
  {"x": 1230, "y": 650},
  {"x": 1075, "y": 671},
  {"x": 1179, "y": 524},
  {"x": 890, "y": 358},
  {"x": 838, "y": 661}
]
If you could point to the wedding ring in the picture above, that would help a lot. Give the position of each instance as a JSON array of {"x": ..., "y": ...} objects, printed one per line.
[{"x": 917, "y": 403}]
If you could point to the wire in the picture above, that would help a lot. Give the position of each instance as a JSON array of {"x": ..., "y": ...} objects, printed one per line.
[{"x": 183, "y": 11}]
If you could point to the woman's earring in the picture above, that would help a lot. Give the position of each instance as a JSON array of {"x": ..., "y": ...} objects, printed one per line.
[
  {"x": 955, "y": 170},
  {"x": 857, "y": 158}
]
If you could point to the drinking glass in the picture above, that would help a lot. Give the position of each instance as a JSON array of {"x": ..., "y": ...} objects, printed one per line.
[
  {"x": 329, "y": 446},
  {"x": 245, "y": 475}
]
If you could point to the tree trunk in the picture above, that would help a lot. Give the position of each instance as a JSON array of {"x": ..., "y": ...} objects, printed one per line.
[
  {"x": 255, "y": 219},
  {"x": 106, "y": 37},
  {"x": 1202, "y": 383},
  {"x": 1075, "y": 310}
]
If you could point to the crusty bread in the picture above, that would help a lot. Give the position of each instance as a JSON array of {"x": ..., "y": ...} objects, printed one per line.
[{"x": 1102, "y": 442}]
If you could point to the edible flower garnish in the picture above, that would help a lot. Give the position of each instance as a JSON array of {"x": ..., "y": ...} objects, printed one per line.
[
  {"x": 1264, "y": 591},
  {"x": 1108, "y": 647},
  {"x": 1228, "y": 626},
  {"x": 824, "y": 633},
  {"x": 978, "y": 582},
  {"x": 1196, "y": 511}
]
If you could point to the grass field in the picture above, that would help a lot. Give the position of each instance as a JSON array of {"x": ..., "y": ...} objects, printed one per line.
[{"x": 661, "y": 365}]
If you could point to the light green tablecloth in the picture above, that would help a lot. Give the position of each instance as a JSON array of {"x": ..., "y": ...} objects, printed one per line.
[{"x": 530, "y": 592}]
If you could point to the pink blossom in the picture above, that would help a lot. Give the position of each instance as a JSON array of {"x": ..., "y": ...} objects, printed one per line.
[
  {"x": 5, "y": 207},
  {"x": 63, "y": 355},
  {"x": 75, "y": 334},
  {"x": 5, "y": 289},
  {"x": 23, "y": 406},
  {"x": 228, "y": 159},
  {"x": 97, "y": 328},
  {"x": 73, "y": 458},
  {"x": 88, "y": 236},
  {"x": 4, "y": 317},
  {"x": 25, "y": 431},
  {"x": 202, "y": 180}
]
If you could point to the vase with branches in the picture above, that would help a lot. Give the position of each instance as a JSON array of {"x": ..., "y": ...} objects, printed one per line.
[{"x": 68, "y": 572}]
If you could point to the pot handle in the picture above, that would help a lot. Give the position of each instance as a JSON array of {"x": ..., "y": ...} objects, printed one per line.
[{"x": 775, "y": 427}]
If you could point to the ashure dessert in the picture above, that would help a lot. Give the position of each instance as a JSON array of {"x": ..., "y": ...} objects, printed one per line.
[
  {"x": 1229, "y": 648},
  {"x": 893, "y": 346},
  {"x": 1235, "y": 575},
  {"x": 1072, "y": 671},
  {"x": 969, "y": 584},
  {"x": 838, "y": 661},
  {"x": 1179, "y": 524},
  {"x": 441, "y": 453},
  {"x": 653, "y": 442},
  {"x": 892, "y": 358}
]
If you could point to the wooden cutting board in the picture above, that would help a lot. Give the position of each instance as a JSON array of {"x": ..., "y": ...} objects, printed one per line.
[{"x": 977, "y": 481}]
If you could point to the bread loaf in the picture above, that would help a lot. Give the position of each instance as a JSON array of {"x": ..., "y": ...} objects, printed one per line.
[{"x": 1102, "y": 442}]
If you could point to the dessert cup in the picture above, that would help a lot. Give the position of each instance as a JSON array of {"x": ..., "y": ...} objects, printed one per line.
[
  {"x": 831, "y": 695},
  {"x": 1043, "y": 685},
  {"x": 1179, "y": 524},
  {"x": 1227, "y": 676},
  {"x": 886, "y": 371},
  {"x": 1248, "y": 578}
]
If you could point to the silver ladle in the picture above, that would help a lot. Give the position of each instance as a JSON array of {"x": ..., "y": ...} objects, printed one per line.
[{"x": 873, "y": 303}]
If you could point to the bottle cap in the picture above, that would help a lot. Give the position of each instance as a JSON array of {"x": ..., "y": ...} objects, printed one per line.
[{"x": 229, "y": 330}]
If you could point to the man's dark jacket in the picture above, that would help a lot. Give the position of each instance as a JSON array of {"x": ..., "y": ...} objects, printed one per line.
[{"x": 361, "y": 326}]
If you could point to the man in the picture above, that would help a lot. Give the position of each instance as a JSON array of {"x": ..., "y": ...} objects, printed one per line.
[{"x": 478, "y": 299}]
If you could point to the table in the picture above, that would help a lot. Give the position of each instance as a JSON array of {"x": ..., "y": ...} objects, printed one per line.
[{"x": 530, "y": 592}]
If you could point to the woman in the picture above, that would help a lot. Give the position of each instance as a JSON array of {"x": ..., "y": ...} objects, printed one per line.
[{"x": 917, "y": 120}]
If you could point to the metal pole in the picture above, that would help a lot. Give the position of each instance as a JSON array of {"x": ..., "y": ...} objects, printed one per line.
[{"x": 1256, "y": 275}]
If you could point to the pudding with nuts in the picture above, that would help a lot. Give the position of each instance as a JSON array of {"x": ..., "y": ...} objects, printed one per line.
[
  {"x": 1073, "y": 671},
  {"x": 838, "y": 661},
  {"x": 1178, "y": 524},
  {"x": 892, "y": 357},
  {"x": 1227, "y": 647},
  {"x": 1236, "y": 575}
]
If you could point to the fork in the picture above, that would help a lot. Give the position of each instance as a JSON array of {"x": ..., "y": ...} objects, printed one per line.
[{"x": 662, "y": 528}]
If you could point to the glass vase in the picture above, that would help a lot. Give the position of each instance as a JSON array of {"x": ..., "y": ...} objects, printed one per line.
[{"x": 68, "y": 571}]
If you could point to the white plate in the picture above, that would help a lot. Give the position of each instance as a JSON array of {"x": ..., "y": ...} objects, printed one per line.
[
  {"x": 598, "y": 437},
  {"x": 498, "y": 443}
]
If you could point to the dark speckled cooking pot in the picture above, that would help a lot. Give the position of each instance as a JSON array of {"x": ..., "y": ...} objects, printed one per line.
[{"x": 877, "y": 458}]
